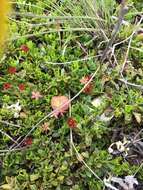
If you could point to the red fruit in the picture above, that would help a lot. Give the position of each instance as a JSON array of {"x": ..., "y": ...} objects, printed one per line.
[
  {"x": 57, "y": 102},
  {"x": 28, "y": 141},
  {"x": 71, "y": 122},
  {"x": 24, "y": 48},
  {"x": 6, "y": 86},
  {"x": 21, "y": 87},
  {"x": 85, "y": 79},
  {"x": 88, "y": 89},
  {"x": 12, "y": 70}
]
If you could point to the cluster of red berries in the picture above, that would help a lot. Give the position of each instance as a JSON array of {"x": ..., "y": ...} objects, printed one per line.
[
  {"x": 70, "y": 122},
  {"x": 12, "y": 70},
  {"x": 6, "y": 86}
]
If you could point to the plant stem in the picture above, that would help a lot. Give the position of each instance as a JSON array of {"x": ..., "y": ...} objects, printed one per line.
[{"x": 123, "y": 11}]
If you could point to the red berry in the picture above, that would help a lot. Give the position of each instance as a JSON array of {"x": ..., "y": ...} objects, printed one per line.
[
  {"x": 21, "y": 87},
  {"x": 28, "y": 141},
  {"x": 71, "y": 122},
  {"x": 85, "y": 79},
  {"x": 88, "y": 89},
  {"x": 6, "y": 86},
  {"x": 24, "y": 48},
  {"x": 12, "y": 70}
]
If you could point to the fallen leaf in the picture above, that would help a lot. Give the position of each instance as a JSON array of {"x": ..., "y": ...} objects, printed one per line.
[
  {"x": 56, "y": 104},
  {"x": 23, "y": 115},
  {"x": 137, "y": 117}
]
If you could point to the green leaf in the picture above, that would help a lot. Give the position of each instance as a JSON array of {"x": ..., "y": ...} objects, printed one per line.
[
  {"x": 34, "y": 177},
  {"x": 6, "y": 187}
]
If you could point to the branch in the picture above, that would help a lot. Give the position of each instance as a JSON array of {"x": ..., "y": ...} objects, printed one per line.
[
  {"x": 123, "y": 11},
  {"x": 140, "y": 87}
]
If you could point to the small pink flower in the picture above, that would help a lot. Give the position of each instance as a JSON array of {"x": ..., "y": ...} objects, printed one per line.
[
  {"x": 57, "y": 102},
  {"x": 36, "y": 95}
]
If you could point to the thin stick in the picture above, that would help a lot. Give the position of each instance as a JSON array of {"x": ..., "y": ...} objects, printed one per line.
[
  {"x": 138, "y": 134},
  {"x": 10, "y": 124},
  {"x": 123, "y": 41},
  {"x": 69, "y": 62},
  {"x": 139, "y": 168},
  {"x": 140, "y": 87},
  {"x": 81, "y": 160},
  {"x": 70, "y": 113},
  {"x": 129, "y": 45},
  {"x": 138, "y": 49},
  {"x": 8, "y": 136},
  {"x": 35, "y": 25},
  {"x": 122, "y": 13},
  {"x": 16, "y": 149},
  {"x": 52, "y": 31},
  {"x": 29, "y": 14}
]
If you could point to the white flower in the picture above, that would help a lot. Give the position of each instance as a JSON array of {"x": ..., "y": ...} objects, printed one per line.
[
  {"x": 110, "y": 150},
  {"x": 131, "y": 180},
  {"x": 104, "y": 118},
  {"x": 120, "y": 181},
  {"x": 108, "y": 184},
  {"x": 120, "y": 147},
  {"x": 127, "y": 183},
  {"x": 97, "y": 102},
  {"x": 15, "y": 108},
  {"x": 16, "y": 115}
]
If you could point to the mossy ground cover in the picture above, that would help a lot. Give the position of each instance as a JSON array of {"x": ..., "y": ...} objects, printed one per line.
[{"x": 52, "y": 47}]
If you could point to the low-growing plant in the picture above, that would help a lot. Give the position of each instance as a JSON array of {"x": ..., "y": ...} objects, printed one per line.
[{"x": 80, "y": 61}]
